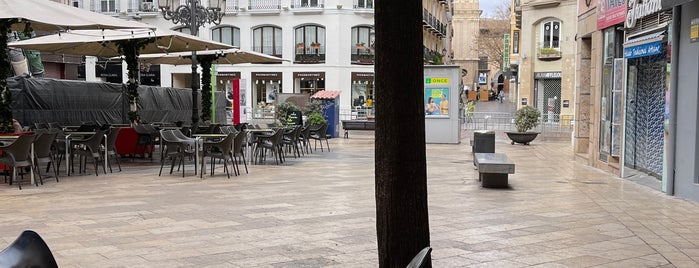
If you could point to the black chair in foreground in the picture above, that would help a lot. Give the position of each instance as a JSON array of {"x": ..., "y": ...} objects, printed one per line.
[
  {"x": 420, "y": 259},
  {"x": 28, "y": 250}
]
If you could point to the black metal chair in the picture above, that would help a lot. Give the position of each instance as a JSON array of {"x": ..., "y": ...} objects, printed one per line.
[
  {"x": 28, "y": 250},
  {"x": 18, "y": 154},
  {"x": 90, "y": 149},
  {"x": 174, "y": 148},
  {"x": 319, "y": 135},
  {"x": 292, "y": 139},
  {"x": 223, "y": 150},
  {"x": 111, "y": 148},
  {"x": 43, "y": 144},
  {"x": 273, "y": 143},
  {"x": 239, "y": 150}
]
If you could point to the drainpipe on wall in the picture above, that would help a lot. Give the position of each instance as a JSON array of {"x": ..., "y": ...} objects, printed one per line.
[{"x": 673, "y": 101}]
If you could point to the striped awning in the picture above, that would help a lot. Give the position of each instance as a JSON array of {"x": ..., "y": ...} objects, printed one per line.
[{"x": 644, "y": 39}]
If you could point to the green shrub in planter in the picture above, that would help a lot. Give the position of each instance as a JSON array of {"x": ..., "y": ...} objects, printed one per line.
[
  {"x": 316, "y": 119},
  {"x": 527, "y": 118}
]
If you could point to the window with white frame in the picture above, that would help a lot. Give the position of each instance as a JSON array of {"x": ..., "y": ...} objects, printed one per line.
[
  {"x": 226, "y": 34},
  {"x": 310, "y": 45},
  {"x": 363, "y": 3},
  {"x": 267, "y": 40},
  {"x": 107, "y": 6},
  {"x": 551, "y": 34}
]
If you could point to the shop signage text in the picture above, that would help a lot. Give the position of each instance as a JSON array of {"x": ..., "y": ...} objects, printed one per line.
[
  {"x": 436, "y": 80},
  {"x": 547, "y": 75},
  {"x": 639, "y": 10},
  {"x": 643, "y": 50},
  {"x": 610, "y": 12}
]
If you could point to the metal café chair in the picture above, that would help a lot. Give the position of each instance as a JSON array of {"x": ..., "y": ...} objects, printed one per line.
[{"x": 18, "y": 154}]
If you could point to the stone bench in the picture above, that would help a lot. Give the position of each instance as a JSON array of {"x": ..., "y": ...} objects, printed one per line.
[
  {"x": 493, "y": 169},
  {"x": 357, "y": 125}
]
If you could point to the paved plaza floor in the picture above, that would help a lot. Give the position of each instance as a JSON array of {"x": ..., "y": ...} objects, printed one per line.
[{"x": 319, "y": 211}]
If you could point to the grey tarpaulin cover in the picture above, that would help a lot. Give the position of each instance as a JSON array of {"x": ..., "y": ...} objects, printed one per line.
[{"x": 72, "y": 102}]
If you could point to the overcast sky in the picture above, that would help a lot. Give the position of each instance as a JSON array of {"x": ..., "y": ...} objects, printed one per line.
[{"x": 488, "y": 6}]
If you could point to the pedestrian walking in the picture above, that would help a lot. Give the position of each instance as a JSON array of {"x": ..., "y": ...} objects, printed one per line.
[{"x": 501, "y": 95}]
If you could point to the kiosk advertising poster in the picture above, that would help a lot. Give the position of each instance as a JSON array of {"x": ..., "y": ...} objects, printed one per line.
[{"x": 437, "y": 102}]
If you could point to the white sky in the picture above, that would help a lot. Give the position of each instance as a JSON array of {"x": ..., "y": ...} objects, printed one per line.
[{"x": 488, "y": 6}]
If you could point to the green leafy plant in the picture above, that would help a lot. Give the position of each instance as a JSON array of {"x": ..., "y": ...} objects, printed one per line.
[
  {"x": 549, "y": 51},
  {"x": 527, "y": 118},
  {"x": 314, "y": 106},
  {"x": 316, "y": 119}
]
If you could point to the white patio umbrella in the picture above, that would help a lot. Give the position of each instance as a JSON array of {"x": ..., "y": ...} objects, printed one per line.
[
  {"x": 224, "y": 56},
  {"x": 49, "y": 15},
  {"x": 106, "y": 43},
  {"x": 129, "y": 43}
]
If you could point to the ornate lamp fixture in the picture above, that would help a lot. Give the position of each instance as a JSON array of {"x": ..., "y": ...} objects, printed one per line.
[
  {"x": 193, "y": 15},
  {"x": 180, "y": 11}
]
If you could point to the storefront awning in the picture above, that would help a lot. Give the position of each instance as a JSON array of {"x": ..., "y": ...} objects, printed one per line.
[{"x": 646, "y": 45}]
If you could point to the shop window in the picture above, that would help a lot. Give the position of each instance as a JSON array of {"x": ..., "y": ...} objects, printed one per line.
[
  {"x": 264, "y": 96},
  {"x": 227, "y": 35},
  {"x": 310, "y": 44},
  {"x": 362, "y": 98},
  {"x": 267, "y": 40},
  {"x": 612, "y": 50}
]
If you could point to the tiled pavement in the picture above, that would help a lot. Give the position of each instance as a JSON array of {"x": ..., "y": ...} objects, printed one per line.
[{"x": 318, "y": 211}]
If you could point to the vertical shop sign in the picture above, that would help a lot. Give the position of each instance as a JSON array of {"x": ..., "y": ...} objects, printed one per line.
[{"x": 506, "y": 53}]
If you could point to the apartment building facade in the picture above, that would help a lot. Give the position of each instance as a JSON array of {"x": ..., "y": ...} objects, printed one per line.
[{"x": 326, "y": 44}]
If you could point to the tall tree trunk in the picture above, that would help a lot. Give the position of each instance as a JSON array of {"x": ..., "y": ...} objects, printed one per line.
[{"x": 402, "y": 221}]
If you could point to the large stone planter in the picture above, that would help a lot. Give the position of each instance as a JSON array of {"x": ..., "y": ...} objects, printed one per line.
[{"x": 522, "y": 137}]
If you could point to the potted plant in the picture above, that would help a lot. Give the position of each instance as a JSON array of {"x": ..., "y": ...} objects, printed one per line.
[
  {"x": 315, "y": 45},
  {"x": 526, "y": 118},
  {"x": 299, "y": 45},
  {"x": 360, "y": 46},
  {"x": 316, "y": 119}
]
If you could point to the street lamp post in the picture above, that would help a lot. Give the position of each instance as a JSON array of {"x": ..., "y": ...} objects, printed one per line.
[{"x": 193, "y": 15}]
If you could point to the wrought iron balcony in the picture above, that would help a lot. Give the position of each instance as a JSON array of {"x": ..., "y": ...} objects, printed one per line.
[
  {"x": 265, "y": 6},
  {"x": 311, "y": 54},
  {"x": 298, "y": 4}
]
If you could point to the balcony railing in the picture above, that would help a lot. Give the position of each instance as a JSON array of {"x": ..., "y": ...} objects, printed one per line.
[
  {"x": 363, "y": 58},
  {"x": 232, "y": 6},
  {"x": 310, "y": 58},
  {"x": 265, "y": 5},
  {"x": 432, "y": 24},
  {"x": 307, "y": 4}
]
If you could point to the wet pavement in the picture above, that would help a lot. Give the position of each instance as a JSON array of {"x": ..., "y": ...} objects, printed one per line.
[{"x": 319, "y": 211}]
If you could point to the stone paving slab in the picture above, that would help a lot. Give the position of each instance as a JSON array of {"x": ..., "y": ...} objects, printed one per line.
[{"x": 319, "y": 211}]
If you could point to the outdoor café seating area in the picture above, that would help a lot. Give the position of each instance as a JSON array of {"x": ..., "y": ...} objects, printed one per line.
[{"x": 50, "y": 150}]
